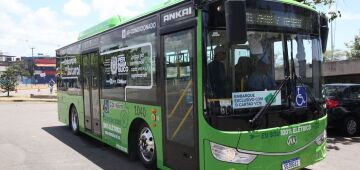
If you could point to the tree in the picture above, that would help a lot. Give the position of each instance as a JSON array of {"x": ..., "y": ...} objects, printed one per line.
[
  {"x": 329, "y": 3},
  {"x": 20, "y": 69},
  {"x": 8, "y": 80},
  {"x": 354, "y": 47}
]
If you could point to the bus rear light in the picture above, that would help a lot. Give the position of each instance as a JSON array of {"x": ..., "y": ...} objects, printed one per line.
[
  {"x": 153, "y": 111},
  {"x": 227, "y": 154},
  {"x": 330, "y": 104},
  {"x": 153, "y": 117}
]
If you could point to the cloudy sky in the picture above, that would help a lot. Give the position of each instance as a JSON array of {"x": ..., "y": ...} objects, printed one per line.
[{"x": 50, "y": 24}]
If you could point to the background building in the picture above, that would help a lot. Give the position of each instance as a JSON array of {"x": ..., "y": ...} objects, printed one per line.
[
  {"x": 42, "y": 69},
  {"x": 5, "y": 61}
]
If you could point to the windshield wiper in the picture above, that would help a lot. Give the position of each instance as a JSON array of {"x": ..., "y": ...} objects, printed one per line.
[{"x": 264, "y": 109}]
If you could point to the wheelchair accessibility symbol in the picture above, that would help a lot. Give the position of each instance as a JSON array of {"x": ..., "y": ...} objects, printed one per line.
[{"x": 301, "y": 98}]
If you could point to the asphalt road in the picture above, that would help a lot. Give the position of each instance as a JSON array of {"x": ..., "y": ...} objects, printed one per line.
[
  {"x": 32, "y": 138},
  {"x": 343, "y": 153}
]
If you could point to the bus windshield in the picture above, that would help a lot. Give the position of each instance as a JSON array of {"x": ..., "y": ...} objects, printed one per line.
[{"x": 242, "y": 78}]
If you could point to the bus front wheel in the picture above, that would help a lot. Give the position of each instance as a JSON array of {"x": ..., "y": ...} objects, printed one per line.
[
  {"x": 146, "y": 147},
  {"x": 74, "y": 123}
]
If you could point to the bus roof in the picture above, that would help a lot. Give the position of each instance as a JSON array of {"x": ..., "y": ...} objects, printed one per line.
[
  {"x": 294, "y": 2},
  {"x": 120, "y": 20}
]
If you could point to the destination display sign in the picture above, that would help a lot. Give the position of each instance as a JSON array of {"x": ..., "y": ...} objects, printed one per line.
[{"x": 279, "y": 19}]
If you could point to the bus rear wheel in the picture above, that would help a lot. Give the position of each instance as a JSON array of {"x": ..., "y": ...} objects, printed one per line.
[
  {"x": 146, "y": 147},
  {"x": 74, "y": 123}
]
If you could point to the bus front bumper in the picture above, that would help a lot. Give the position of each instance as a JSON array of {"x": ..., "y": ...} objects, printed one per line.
[{"x": 308, "y": 156}]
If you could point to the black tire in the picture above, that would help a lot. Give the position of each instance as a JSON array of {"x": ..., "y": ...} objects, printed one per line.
[
  {"x": 74, "y": 121},
  {"x": 146, "y": 147},
  {"x": 350, "y": 126},
  {"x": 133, "y": 147}
]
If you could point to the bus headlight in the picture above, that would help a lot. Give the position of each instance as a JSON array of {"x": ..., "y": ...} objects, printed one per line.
[
  {"x": 227, "y": 154},
  {"x": 321, "y": 138}
]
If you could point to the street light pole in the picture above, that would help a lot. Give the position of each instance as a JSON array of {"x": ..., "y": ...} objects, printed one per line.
[
  {"x": 32, "y": 52},
  {"x": 32, "y": 63}
]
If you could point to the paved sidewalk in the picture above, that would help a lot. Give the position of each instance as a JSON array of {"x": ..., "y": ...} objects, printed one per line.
[
  {"x": 25, "y": 99},
  {"x": 30, "y": 93}
]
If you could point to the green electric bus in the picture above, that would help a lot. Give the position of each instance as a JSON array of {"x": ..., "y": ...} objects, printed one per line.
[{"x": 201, "y": 84}]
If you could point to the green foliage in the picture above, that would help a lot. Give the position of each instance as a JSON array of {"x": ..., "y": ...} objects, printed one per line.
[
  {"x": 8, "y": 80},
  {"x": 317, "y": 2},
  {"x": 329, "y": 3},
  {"x": 20, "y": 70},
  {"x": 354, "y": 47}
]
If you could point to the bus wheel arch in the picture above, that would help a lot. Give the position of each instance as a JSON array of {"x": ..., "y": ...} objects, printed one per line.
[
  {"x": 73, "y": 119},
  {"x": 137, "y": 129}
]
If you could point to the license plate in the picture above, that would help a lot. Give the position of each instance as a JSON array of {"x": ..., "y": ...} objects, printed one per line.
[{"x": 291, "y": 164}]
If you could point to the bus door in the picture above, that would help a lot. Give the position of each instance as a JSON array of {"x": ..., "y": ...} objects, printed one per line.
[
  {"x": 179, "y": 100},
  {"x": 91, "y": 92}
]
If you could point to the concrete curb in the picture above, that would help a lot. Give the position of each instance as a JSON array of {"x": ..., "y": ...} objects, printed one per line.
[
  {"x": 39, "y": 96},
  {"x": 25, "y": 99}
]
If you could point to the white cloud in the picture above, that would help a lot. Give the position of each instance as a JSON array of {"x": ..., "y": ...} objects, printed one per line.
[
  {"x": 109, "y": 8},
  {"x": 14, "y": 7},
  {"x": 76, "y": 8},
  {"x": 41, "y": 28}
]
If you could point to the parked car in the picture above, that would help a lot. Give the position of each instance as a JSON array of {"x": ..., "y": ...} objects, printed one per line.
[{"x": 343, "y": 107}]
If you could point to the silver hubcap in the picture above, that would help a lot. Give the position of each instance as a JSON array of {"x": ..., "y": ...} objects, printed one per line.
[
  {"x": 351, "y": 126},
  {"x": 73, "y": 120},
  {"x": 146, "y": 144}
]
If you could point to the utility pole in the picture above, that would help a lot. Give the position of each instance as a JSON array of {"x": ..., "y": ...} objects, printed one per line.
[
  {"x": 332, "y": 42},
  {"x": 32, "y": 52},
  {"x": 32, "y": 63}
]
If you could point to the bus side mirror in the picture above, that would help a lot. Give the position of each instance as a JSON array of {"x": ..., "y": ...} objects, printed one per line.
[
  {"x": 324, "y": 32},
  {"x": 235, "y": 16}
]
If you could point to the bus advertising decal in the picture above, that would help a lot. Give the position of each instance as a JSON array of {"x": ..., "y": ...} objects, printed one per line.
[
  {"x": 178, "y": 14},
  {"x": 122, "y": 113},
  {"x": 140, "y": 28},
  {"x": 70, "y": 66},
  {"x": 112, "y": 130},
  {"x": 116, "y": 105},
  {"x": 284, "y": 132},
  {"x": 138, "y": 65},
  {"x": 106, "y": 106},
  {"x": 129, "y": 67}
]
